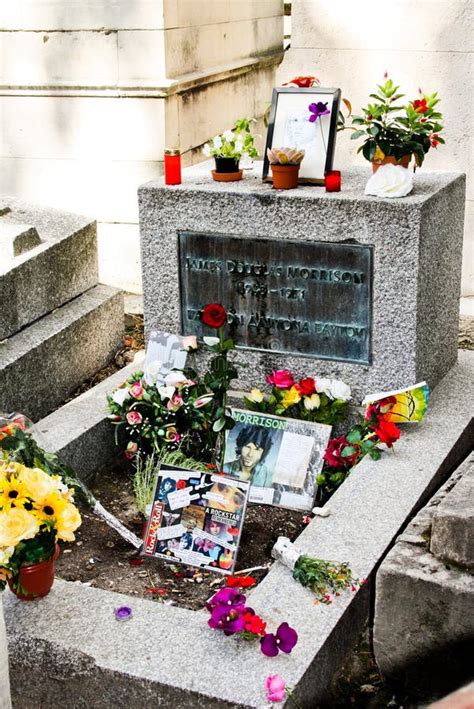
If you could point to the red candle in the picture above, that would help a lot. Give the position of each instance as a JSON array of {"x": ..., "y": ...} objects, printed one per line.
[
  {"x": 172, "y": 167},
  {"x": 332, "y": 181}
]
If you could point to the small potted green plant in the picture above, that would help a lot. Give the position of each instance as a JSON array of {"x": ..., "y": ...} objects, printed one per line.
[
  {"x": 228, "y": 148},
  {"x": 285, "y": 164},
  {"x": 394, "y": 132}
]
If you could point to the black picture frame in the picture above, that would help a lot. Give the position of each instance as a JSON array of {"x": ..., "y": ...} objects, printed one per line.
[{"x": 280, "y": 102}]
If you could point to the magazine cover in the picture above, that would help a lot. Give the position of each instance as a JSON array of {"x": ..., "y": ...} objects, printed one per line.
[
  {"x": 402, "y": 405},
  {"x": 280, "y": 457},
  {"x": 196, "y": 518}
]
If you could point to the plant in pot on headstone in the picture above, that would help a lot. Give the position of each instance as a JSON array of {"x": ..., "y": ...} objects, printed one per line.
[
  {"x": 393, "y": 132},
  {"x": 36, "y": 510},
  {"x": 228, "y": 148},
  {"x": 285, "y": 164}
]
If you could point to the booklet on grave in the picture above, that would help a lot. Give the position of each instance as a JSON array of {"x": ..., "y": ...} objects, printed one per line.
[
  {"x": 164, "y": 352},
  {"x": 404, "y": 405},
  {"x": 280, "y": 457},
  {"x": 196, "y": 519}
]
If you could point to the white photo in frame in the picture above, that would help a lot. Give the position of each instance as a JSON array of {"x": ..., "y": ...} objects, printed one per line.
[{"x": 290, "y": 127}]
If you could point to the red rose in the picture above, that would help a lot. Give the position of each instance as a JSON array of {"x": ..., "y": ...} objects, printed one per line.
[
  {"x": 214, "y": 315},
  {"x": 387, "y": 432},
  {"x": 333, "y": 455},
  {"x": 306, "y": 387}
]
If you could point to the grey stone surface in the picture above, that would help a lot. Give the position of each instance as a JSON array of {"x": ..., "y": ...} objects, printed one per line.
[
  {"x": 417, "y": 261},
  {"x": 41, "y": 365},
  {"x": 80, "y": 432},
  {"x": 424, "y": 608},
  {"x": 16, "y": 239},
  {"x": 167, "y": 656},
  {"x": 452, "y": 531},
  {"x": 61, "y": 267}
]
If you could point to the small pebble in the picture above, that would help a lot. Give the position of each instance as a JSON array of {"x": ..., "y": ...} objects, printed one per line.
[{"x": 321, "y": 512}]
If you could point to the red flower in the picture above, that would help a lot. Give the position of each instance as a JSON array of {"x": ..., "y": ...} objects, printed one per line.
[
  {"x": 387, "y": 432},
  {"x": 433, "y": 141},
  {"x": 281, "y": 379},
  {"x": 253, "y": 623},
  {"x": 240, "y": 581},
  {"x": 304, "y": 82},
  {"x": 214, "y": 315},
  {"x": 333, "y": 456},
  {"x": 306, "y": 387},
  {"x": 181, "y": 484},
  {"x": 420, "y": 106}
]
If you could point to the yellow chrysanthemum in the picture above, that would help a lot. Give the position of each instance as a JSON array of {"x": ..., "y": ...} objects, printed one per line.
[
  {"x": 49, "y": 508},
  {"x": 15, "y": 525},
  {"x": 291, "y": 397},
  {"x": 39, "y": 483},
  {"x": 13, "y": 493},
  {"x": 67, "y": 522}
]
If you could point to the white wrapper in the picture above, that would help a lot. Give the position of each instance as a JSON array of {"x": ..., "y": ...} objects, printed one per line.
[{"x": 285, "y": 551}]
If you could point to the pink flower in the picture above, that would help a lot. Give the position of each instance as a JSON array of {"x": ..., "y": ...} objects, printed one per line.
[
  {"x": 134, "y": 418},
  {"x": 202, "y": 401},
  {"x": 189, "y": 343},
  {"x": 136, "y": 390},
  {"x": 281, "y": 378},
  {"x": 275, "y": 686},
  {"x": 132, "y": 448},
  {"x": 175, "y": 403}
]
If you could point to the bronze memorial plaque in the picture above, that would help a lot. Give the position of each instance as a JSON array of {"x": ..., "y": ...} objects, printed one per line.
[{"x": 301, "y": 297}]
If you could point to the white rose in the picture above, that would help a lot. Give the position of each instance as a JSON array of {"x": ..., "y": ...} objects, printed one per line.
[
  {"x": 166, "y": 392},
  {"x": 207, "y": 150},
  {"x": 255, "y": 395},
  {"x": 152, "y": 369},
  {"x": 311, "y": 402},
  {"x": 120, "y": 395},
  {"x": 217, "y": 142},
  {"x": 210, "y": 341},
  {"x": 340, "y": 390},
  {"x": 390, "y": 181},
  {"x": 323, "y": 386},
  {"x": 228, "y": 135}
]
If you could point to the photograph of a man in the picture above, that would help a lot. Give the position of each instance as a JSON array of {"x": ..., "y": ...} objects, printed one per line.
[{"x": 252, "y": 446}]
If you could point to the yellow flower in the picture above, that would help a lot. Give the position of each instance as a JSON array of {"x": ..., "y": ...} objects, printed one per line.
[
  {"x": 8, "y": 467},
  {"x": 13, "y": 493},
  {"x": 312, "y": 402},
  {"x": 49, "y": 508},
  {"x": 67, "y": 522},
  {"x": 291, "y": 396},
  {"x": 15, "y": 525},
  {"x": 39, "y": 483},
  {"x": 5, "y": 554},
  {"x": 255, "y": 395},
  {"x": 5, "y": 574}
]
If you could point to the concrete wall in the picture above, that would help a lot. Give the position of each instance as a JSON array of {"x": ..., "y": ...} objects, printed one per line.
[
  {"x": 425, "y": 43},
  {"x": 92, "y": 91}
]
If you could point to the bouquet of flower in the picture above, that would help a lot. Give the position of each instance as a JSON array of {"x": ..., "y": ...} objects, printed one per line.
[
  {"x": 36, "y": 509},
  {"x": 320, "y": 400},
  {"x": 233, "y": 143}
]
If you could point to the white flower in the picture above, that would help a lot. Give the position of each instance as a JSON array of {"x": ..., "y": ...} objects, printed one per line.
[
  {"x": 390, "y": 181},
  {"x": 340, "y": 390},
  {"x": 189, "y": 343},
  {"x": 311, "y": 402},
  {"x": 120, "y": 395},
  {"x": 152, "y": 369},
  {"x": 5, "y": 554},
  {"x": 238, "y": 146},
  {"x": 228, "y": 135},
  {"x": 173, "y": 379},
  {"x": 166, "y": 392},
  {"x": 323, "y": 386},
  {"x": 207, "y": 150},
  {"x": 210, "y": 341},
  {"x": 217, "y": 142},
  {"x": 255, "y": 395}
]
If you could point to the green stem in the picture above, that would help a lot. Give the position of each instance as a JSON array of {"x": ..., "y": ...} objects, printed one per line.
[{"x": 293, "y": 698}]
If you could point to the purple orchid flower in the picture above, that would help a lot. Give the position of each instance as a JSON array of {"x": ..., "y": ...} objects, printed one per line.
[
  {"x": 285, "y": 640},
  {"x": 228, "y": 619},
  {"x": 226, "y": 597},
  {"x": 317, "y": 110}
]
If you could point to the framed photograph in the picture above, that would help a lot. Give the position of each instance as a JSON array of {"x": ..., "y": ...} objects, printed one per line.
[
  {"x": 196, "y": 518},
  {"x": 279, "y": 457},
  {"x": 305, "y": 119}
]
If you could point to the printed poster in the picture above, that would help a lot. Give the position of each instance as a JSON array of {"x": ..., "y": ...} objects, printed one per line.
[{"x": 279, "y": 457}]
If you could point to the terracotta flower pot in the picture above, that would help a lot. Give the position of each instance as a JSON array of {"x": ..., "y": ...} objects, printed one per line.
[
  {"x": 227, "y": 170},
  {"x": 391, "y": 160},
  {"x": 285, "y": 177},
  {"x": 36, "y": 580}
]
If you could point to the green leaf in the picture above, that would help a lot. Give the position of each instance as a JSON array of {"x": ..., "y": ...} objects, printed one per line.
[
  {"x": 357, "y": 134},
  {"x": 348, "y": 451},
  {"x": 218, "y": 425},
  {"x": 353, "y": 436}
]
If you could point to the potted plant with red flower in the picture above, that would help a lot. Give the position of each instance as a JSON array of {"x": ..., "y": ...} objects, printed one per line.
[{"x": 394, "y": 132}]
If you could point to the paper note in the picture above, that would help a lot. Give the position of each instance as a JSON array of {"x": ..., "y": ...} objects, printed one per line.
[
  {"x": 181, "y": 498},
  {"x": 292, "y": 464}
]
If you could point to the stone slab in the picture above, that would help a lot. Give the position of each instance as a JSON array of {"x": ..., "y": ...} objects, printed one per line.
[
  {"x": 70, "y": 639},
  {"x": 44, "y": 363},
  {"x": 452, "y": 530},
  {"x": 61, "y": 267},
  {"x": 80, "y": 432},
  {"x": 16, "y": 239},
  {"x": 417, "y": 246}
]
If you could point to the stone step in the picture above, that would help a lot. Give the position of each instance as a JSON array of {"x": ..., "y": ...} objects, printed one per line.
[
  {"x": 452, "y": 531},
  {"x": 61, "y": 266},
  {"x": 16, "y": 239},
  {"x": 44, "y": 363}
]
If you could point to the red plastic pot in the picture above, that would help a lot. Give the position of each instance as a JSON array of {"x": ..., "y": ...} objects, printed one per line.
[{"x": 36, "y": 580}]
